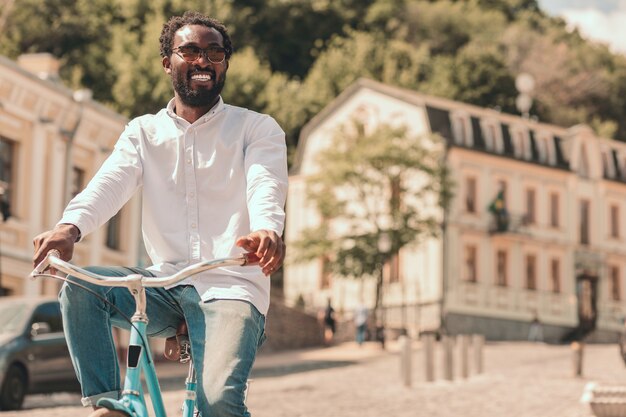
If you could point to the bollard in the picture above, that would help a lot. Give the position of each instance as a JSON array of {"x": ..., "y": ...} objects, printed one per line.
[
  {"x": 405, "y": 360},
  {"x": 448, "y": 362},
  {"x": 478, "y": 341},
  {"x": 429, "y": 356},
  {"x": 578, "y": 350},
  {"x": 464, "y": 355}
]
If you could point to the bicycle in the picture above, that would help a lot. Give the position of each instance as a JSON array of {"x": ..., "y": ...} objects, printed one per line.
[{"x": 139, "y": 358}]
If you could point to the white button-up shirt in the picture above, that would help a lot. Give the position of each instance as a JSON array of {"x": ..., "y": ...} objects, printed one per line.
[{"x": 204, "y": 185}]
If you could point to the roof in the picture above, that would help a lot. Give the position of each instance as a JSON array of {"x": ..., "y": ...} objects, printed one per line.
[
  {"x": 417, "y": 99},
  {"x": 59, "y": 88}
]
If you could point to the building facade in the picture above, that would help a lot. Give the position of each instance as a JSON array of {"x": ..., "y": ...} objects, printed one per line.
[
  {"x": 52, "y": 141},
  {"x": 535, "y": 231}
]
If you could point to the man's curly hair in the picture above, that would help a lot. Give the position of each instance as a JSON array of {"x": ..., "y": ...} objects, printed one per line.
[{"x": 191, "y": 18}]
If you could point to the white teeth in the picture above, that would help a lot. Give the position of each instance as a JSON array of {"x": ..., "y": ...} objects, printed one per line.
[{"x": 202, "y": 77}]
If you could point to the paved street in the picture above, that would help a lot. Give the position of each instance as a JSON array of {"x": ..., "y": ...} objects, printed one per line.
[{"x": 520, "y": 380}]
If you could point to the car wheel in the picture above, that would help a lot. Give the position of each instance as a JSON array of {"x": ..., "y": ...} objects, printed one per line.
[{"x": 13, "y": 389}]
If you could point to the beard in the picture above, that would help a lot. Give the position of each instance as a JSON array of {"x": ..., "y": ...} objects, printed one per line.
[{"x": 199, "y": 97}]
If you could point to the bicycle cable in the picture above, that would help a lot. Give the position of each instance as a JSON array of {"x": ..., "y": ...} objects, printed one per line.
[{"x": 124, "y": 316}]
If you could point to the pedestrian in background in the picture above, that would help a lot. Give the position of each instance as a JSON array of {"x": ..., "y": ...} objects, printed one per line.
[
  {"x": 330, "y": 325},
  {"x": 360, "y": 323},
  {"x": 535, "y": 333}
]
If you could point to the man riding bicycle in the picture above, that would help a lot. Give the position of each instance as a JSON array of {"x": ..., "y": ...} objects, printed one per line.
[{"x": 213, "y": 178}]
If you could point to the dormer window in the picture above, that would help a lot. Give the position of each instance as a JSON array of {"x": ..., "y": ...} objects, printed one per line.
[
  {"x": 520, "y": 142},
  {"x": 543, "y": 142},
  {"x": 608, "y": 170},
  {"x": 461, "y": 130},
  {"x": 493, "y": 136}
]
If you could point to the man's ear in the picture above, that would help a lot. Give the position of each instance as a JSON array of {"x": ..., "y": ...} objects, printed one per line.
[{"x": 167, "y": 65}]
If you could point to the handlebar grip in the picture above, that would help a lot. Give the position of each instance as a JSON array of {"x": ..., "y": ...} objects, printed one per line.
[
  {"x": 250, "y": 258},
  {"x": 43, "y": 265}
]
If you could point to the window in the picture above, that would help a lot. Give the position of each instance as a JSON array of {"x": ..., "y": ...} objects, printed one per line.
[
  {"x": 554, "y": 209},
  {"x": 530, "y": 206},
  {"x": 78, "y": 181},
  {"x": 470, "y": 195},
  {"x": 527, "y": 152},
  {"x": 114, "y": 230},
  {"x": 7, "y": 158},
  {"x": 614, "y": 218},
  {"x": 461, "y": 132},
  {"x": 544, "y": 149},
  {"x": 531, "y": 272},
  {"x": 519, "y": 139},
  {"x": 555, "y": 275},
  {"x": 491, "y": 136},
  {"x": 501, "y": 268},
  {"x": 49, "y": 313},
  {"x": 470, "y": 263},
  {"x": 616, "y": 288},
  {"x": 584, "y": 222}
]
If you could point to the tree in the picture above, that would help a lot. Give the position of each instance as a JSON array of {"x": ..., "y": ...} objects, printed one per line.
[
  {"x": 78, "y": 32},
  {"x": 361, "y": 54},
  {"x": 378, "y": 185}
]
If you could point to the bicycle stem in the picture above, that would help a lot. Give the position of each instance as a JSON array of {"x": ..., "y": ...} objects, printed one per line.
[{"x": 138, "y": 291}]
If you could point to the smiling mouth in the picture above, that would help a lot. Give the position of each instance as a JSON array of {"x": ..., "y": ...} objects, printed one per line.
[{"x": 203, "y": 76}]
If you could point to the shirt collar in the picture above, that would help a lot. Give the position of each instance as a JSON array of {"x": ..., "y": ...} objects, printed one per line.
[{"x": 219, "y": 106}]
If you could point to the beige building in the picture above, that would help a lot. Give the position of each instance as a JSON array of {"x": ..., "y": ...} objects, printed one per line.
[
  {"x": 43, "y": 125},
  {"x": 555, "y": 253}
]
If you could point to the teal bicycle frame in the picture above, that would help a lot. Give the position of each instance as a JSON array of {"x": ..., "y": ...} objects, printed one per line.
[{"x": 139, "y": 359}]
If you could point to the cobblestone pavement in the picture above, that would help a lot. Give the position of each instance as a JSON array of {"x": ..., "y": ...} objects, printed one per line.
[{"x": 519, "y": 380}]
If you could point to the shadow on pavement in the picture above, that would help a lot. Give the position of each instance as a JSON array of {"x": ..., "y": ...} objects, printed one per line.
[
  {"x": 177, "y": 382},
  {"x": 298, "y": 367}
]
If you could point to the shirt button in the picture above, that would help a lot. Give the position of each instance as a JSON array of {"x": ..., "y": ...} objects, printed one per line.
[
  {"x": 192, "y": 195},
  {"x": 193, "y": 225},
  {"x": 189, "y": 161}
]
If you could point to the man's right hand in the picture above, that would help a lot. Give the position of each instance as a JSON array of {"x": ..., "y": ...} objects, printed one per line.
[{"x": 61, "y": 238}]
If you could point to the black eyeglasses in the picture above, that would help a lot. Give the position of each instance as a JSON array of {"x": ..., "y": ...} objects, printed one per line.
[{"x": 192, "y": 53}]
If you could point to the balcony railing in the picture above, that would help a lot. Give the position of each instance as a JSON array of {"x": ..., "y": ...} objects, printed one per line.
[{"x": 508, "y": 223}]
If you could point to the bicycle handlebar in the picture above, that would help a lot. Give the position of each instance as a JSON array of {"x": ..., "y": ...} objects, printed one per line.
[{"x": 53, "y": 259}]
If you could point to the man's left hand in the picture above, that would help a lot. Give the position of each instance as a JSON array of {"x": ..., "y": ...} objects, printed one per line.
[{"x": 267, "y": 246}]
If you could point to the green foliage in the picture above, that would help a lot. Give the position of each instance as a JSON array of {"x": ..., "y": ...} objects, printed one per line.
[
  {"x": 142, "y": 85},
  {"x": 446, "y": 26},
  {"x": 247, "y": 80},
  {"x": 287, "y": 33},
  {"x": 295, "y": 56},
  {"x": 362, "y": 55},
  {"x": 76, "y": 31},
  {"x": 374, "y": 182},
  {"x": 475, "y": 75}
]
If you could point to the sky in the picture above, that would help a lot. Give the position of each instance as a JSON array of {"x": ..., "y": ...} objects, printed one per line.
[{"x": 599, "y": 20}]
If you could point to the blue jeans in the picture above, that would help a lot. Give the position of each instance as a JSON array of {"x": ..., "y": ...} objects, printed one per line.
[{"x": 224, "y": 335}]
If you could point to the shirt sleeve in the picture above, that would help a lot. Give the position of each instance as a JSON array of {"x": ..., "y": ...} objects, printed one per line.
[
  {"x": 112, "y": 186},
  {"x": 266, "y": 175}
]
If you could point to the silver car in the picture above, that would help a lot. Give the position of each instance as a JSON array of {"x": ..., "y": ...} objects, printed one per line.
[{"x": 33, "y": 352}]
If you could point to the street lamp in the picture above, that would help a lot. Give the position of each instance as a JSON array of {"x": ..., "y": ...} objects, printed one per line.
[{"x": 525, "y": 84}]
